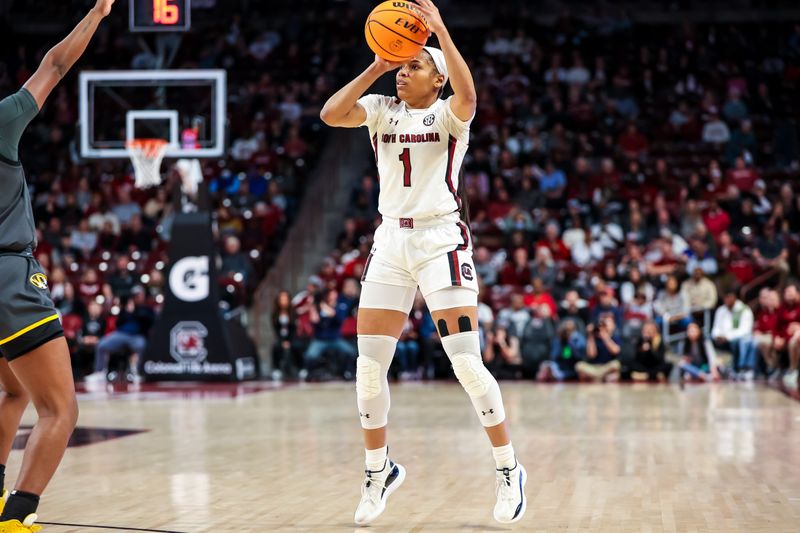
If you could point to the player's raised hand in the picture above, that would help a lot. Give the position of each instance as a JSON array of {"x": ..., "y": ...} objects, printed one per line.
[
  {"x": 59, "y": 59},
  {"x": 432, "y": 15},
  {"x": 384, "y": 65},
  {"x": 103, "y": 7}
]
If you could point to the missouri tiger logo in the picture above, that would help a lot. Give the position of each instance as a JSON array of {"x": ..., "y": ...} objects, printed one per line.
[{"x": 39, "y": 281}]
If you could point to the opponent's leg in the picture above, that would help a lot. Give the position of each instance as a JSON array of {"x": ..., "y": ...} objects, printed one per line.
[
  {"x": 382, "y": 314},
  {"x": 47, "y": 376},
  {"x": 455, "y": 313},
  {"x": 13, "y": 401}
]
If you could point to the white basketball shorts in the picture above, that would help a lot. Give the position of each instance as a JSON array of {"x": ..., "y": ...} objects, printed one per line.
[{"x": 432, "y": 253}]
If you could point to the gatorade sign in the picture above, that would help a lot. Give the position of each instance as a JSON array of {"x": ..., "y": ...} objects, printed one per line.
[
  {"x": 191, "y": 340},
  {"x": 189, "y": 280}
]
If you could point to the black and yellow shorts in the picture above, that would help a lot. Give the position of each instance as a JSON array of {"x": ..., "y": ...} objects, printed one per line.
[{"x": 28, "y": 318}]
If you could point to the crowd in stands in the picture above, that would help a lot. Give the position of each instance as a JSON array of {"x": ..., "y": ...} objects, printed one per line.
[
  {"x": 631, "y": 189},
  {"x": 102, "y": 241}
]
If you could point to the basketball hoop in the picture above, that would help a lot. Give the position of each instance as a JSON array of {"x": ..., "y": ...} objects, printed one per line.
[{"x": 146, "y": 156}]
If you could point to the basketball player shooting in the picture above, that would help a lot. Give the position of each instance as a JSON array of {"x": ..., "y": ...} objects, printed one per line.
[
  {"x": 35, "y": 364},
  {"x": 420, "y": 141}
]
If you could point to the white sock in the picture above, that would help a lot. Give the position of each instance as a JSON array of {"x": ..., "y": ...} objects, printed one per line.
[
  {"x": 504, "y": 456},
  {"x": 376, "y": 459}
]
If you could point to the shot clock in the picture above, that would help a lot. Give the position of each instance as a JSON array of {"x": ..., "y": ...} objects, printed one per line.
[{"x": 160, "y": 15}]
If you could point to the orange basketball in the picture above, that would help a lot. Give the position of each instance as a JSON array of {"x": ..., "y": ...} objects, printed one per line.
[{"x": 396, "y": 31}]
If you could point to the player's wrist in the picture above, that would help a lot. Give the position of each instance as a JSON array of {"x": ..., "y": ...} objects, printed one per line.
[{"x": 441, "y": 32}]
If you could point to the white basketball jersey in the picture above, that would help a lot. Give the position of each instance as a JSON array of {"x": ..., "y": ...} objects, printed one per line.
[{"x": 419, "y": 154}]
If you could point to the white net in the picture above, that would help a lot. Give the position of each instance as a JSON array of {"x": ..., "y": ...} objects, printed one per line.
[{"x": 146, "y": 156}]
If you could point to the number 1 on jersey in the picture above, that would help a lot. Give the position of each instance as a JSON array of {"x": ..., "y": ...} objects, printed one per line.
[{"x": 405, "y": 157}]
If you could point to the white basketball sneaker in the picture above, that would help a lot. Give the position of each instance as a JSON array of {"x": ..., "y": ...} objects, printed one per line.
[
  {"x": 376, "y": 490},
  {"x": 511, "y": 502}
]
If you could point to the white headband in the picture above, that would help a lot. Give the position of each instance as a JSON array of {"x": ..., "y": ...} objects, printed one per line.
[{"x": 438, "y": 60}]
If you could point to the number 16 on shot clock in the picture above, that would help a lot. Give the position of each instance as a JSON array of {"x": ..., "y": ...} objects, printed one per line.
[
  {"x": 160, "y": 15},
  {"x": 165, "y": 12}
]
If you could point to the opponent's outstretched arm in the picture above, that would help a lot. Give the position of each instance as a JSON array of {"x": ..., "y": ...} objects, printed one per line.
[{"x": 61, "y": 57}]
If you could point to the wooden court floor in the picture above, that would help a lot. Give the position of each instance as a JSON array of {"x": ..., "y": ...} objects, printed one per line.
[{"x": 722, "y": 458}]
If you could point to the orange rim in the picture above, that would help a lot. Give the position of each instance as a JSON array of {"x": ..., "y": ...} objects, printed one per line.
[{"x": 148, "y": 147}]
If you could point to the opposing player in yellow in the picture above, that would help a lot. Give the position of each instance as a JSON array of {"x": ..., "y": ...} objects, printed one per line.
[
  {"x": 35, "y": 364},
  {"x": 420, "y": 141}
]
